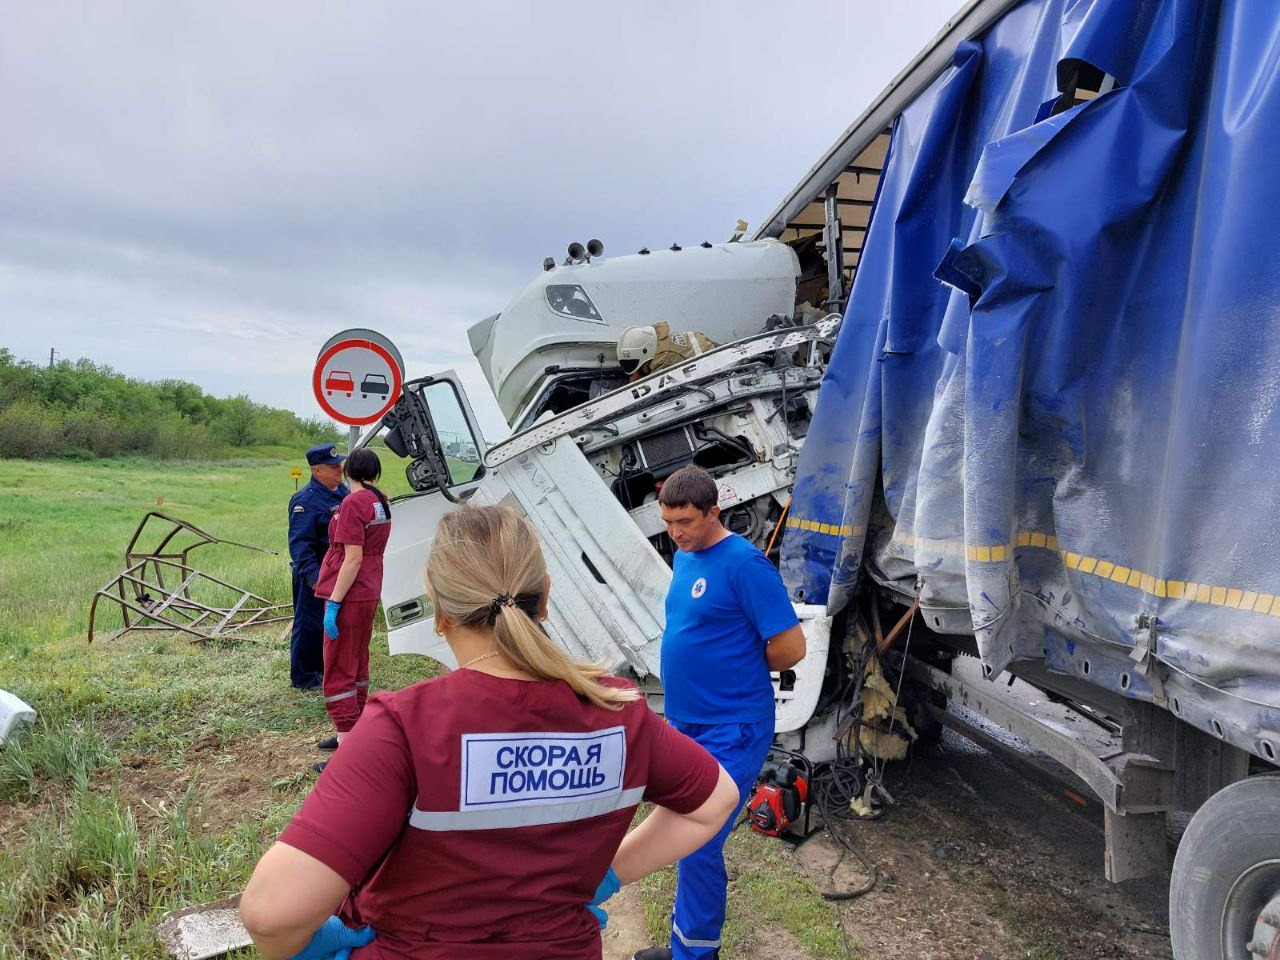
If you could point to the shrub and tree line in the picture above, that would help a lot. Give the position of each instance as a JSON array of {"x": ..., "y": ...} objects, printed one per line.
[{"x": 83, "y": 409}]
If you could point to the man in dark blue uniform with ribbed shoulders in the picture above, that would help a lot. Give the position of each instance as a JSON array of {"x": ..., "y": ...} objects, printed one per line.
[{"x": 310, "y": 510}]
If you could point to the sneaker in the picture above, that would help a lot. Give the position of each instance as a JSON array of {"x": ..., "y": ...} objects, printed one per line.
[
  {"x": 653, "y": 953},
  {"x": 319, "y": 767},
  {"x": 328, "y": 743}
]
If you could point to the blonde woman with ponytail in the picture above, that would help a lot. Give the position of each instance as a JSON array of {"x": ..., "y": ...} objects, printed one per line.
[{"x": 484, "y": 814}]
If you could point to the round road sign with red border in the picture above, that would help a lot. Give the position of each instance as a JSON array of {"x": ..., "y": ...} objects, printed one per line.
[{"x": 357, "y": 379}]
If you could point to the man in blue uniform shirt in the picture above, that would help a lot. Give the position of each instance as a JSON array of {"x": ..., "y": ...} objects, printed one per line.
[
  {"x": 310, "y": 510},
  {"x": 729, "y": 622}
]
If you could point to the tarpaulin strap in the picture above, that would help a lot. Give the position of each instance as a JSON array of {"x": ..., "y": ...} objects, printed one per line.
[{"x": 1143, "y": 655}]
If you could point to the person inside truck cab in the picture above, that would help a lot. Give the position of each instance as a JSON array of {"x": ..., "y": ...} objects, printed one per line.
[
  {"x": 484, "y": 814},
  {"x": 646, "y": 350}
]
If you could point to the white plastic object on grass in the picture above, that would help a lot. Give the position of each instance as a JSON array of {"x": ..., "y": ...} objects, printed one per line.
[{"x": 12, "y": 711}]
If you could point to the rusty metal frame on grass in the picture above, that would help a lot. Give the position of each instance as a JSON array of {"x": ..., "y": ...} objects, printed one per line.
[{"x": 155, "y": 587}]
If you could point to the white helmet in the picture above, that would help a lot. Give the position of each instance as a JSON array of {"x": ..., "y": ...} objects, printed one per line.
[{"x": 636, "y": 346}]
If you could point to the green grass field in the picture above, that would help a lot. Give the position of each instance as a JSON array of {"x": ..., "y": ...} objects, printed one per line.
[
  {"x": 159, "y": 769},
  {"x": 84, "y": 869}
]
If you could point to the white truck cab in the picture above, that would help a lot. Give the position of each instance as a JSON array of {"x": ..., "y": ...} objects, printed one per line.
[
  {"x": 559, "y": 336},
  {"x": 592, "y": 448}
]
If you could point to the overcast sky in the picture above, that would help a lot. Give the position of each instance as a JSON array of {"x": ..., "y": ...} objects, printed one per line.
[{"x": 210, "y": 190}]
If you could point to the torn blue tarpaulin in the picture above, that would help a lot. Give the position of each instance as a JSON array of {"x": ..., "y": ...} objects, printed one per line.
[
  {"x": 903, "y": 330},
  {"x": 1070, "y": 447}
]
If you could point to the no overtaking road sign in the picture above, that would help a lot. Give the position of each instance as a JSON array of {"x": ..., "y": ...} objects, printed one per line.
[{"x": 358, "y": 377}]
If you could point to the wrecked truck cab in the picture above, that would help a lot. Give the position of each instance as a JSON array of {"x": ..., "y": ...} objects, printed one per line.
[
  {"x": 609, "y": 585},
  {"x": 587, "y": 477},
  {"x": 567, "y": 321}
]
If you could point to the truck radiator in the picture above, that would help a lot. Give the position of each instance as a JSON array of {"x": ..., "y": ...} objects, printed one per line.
[{"x": 663, "y": 449}]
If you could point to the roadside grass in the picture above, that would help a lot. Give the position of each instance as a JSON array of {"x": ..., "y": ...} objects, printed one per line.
[
  {"x": 88, "y": 882},
  {"x": 61, "y": 754},
  {"x": 88, "y": 866},
  {"x": 83, "y": 873}
]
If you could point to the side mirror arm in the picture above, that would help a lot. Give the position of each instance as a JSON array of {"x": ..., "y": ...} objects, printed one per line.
[{"x": 412, "y": 433}]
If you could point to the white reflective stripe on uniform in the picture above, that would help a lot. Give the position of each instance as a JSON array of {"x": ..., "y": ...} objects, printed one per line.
[
  {"x": 339, "y": 696},
  {"x": 693, "y": 342},
  {"x": 525, "y": 816},
  {"x": 359, "y": 684},
  {"x": 693, "y": 943}
]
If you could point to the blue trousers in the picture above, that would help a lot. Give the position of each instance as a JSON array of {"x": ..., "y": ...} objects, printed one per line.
[
  {"x": 701, "y": 881},
  {"x": 306, "y": 647}
]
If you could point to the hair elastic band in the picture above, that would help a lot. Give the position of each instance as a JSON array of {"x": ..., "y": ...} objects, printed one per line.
[{"x": 504, "y": 600}]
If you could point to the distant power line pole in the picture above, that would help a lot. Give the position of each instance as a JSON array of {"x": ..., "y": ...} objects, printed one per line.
[{"x": 52, "y": 353}]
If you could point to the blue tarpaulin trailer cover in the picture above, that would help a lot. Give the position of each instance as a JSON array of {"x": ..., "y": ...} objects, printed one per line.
[{"x": 1052, "y": 408}]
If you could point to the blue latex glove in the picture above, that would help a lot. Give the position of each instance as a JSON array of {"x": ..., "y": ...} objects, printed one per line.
[
  {"x": 331, "y": 608},
  {"x": 608, "y": 887},
  {"x": 334, "y": 941}
]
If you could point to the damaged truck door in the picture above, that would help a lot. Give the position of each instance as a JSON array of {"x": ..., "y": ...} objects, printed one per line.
[{"x": 431, "y": 426}]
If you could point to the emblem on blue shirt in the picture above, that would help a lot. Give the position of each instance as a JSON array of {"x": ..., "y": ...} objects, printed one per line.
[{"x": 699, "y": 588}]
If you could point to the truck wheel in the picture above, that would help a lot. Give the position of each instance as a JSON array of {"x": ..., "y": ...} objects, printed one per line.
[{"x": 1224, "y": 896}]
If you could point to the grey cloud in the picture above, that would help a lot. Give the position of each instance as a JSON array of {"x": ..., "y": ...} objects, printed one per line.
[{"x": 207, "y": 170}]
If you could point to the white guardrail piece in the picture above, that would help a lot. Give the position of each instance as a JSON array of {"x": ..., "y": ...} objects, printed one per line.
[{"x": 12, "y": 712}]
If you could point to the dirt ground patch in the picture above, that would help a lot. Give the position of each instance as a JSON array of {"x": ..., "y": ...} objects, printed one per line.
[
  {"x": 14, "y": 818},
  {"x": 626, "y": 932},
  {"x": 974, "y": 863},
  {"x": 234, "y": 778},
  {"x": 915, "y": 910}
]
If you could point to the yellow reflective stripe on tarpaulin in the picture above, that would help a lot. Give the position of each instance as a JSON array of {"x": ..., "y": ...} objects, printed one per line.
[
  {"x": 946, "y": 548},
  {"x": 830, "y": 529},
  {"x": 1235, "y": 597}
]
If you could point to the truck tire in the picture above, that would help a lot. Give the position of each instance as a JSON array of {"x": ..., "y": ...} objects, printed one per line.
[{"x": 1226, "y": 871}]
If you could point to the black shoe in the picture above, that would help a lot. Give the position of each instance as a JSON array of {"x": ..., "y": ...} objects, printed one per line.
[
  {"x": 319, "y": 767},
  {"x": 653, "y": 953},
  {"x": 328, "y": 743},
  {"x": 315, "y": 683}
]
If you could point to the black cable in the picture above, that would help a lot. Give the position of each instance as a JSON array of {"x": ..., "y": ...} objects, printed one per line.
[
  {"x": 835, "y": 786},
  {"x": 736, "y": 443}
]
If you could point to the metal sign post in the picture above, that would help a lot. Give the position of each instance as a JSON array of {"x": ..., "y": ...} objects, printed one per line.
[{"x": 357, "y": 379}]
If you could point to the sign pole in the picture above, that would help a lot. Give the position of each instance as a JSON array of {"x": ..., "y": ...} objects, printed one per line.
[{"x": 353, "y": 437}]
